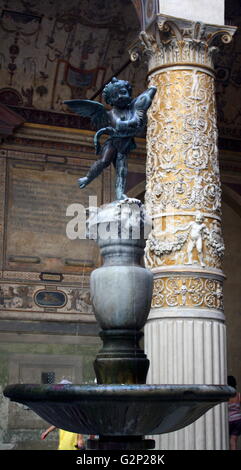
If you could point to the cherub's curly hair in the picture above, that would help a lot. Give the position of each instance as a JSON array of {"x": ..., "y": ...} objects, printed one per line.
[{"x": 109, "y": 88}]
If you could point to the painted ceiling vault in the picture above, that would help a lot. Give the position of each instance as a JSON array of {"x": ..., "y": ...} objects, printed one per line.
[{"x": 55, "y": 50}]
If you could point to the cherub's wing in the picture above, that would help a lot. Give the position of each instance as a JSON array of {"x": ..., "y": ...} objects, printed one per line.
[{"x": 91, "y": 109}]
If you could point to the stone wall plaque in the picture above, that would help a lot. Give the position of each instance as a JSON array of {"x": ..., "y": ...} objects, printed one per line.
[{"x": 36, "y": 225}]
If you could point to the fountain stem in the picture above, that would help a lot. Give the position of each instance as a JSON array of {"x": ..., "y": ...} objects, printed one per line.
[
  {"x": 121, "y": 293},
  {"x": 121, "y": 360}
]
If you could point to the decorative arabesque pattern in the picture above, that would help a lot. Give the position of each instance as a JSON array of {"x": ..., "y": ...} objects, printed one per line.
[
  {"x": 17, "y": 297},
  {"x": 182, "y": 167},
  {"x": 183, "y": 186},
  {"x": 188, "y": 292}
]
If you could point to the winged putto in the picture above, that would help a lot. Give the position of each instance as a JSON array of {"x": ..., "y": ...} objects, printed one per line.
[{"x": 125, "y": 120}]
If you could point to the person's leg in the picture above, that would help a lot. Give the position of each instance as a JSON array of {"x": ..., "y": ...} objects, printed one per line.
[
  {"x": 233, "y": 442},
  {"x": 96, "y": 169}
]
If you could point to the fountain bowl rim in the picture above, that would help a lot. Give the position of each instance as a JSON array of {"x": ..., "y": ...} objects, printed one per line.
[{"x": 167, "y": 392}]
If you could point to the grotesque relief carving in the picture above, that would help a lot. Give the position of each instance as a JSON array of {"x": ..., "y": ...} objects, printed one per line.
[
  {"x": 187, "y": 292},
  {"x": 182, "y": 167},
  {"x": 215, "y": 244},
  {"x": 163, "y": 245},
  {"x": 183, "y": 186},
  {"x": 189, "y": 190}
]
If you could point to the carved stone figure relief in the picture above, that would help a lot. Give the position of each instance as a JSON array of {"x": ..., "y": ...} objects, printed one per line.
[{"x": 195, "y": 241}]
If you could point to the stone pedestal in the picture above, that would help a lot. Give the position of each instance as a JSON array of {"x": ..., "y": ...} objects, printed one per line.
[
  {"x": 121, "y": 291},
  {"x": 185, "y": 333}
]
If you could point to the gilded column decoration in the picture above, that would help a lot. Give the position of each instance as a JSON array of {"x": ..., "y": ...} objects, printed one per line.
[
  {"x": 185, "y": 335},
  {"x": 183, "y": 192}
]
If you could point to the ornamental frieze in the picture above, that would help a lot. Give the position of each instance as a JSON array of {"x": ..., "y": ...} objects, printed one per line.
[
  {"x": 190, "y": 190},
  {"x": 40, "y": 298},
  {"x": 187, "y": 292}
]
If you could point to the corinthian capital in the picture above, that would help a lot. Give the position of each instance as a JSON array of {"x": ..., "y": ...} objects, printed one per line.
[{"x": 171, "y": 41}]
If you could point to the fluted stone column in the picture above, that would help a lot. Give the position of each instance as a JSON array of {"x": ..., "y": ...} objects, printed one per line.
[{"x": 185, "y": 336}]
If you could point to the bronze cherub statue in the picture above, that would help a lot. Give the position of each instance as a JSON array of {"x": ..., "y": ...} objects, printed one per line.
[{"x": 122, "y": 123}]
